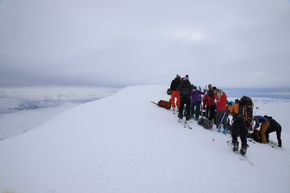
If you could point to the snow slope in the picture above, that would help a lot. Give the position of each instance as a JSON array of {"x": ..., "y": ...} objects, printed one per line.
[
  {"x": 25, "y": 108},
  {"x": 125, "y": 144}
]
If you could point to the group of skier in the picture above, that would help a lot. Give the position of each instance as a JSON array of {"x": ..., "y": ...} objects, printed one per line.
[{"x": 228, "y": 116}]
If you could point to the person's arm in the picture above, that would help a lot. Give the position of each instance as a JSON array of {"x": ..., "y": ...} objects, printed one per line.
[{"x": 257, "y": 124}]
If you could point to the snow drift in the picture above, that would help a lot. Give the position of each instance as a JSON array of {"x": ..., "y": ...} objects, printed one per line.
[{"x": 124, "y": 143}]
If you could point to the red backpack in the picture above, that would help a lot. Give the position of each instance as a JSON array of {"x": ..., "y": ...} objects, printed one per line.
[{"x": 164, "y": 104}]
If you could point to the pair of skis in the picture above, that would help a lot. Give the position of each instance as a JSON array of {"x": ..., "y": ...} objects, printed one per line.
[
  {"x": 237, "y": 153},
  {"x": 185, "y": 123}
]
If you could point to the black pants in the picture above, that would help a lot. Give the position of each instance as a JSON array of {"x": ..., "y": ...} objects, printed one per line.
[
  {"x": 184, "y": 100},
  {"x": 278, "y": 130},
  {"x": 212, "y": 115},
  {"x": 239, "y": 128},
  {"x": 195, "y": 109}
]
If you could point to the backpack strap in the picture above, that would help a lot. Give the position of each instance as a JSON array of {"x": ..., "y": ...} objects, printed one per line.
[{"x": 243, "y": 112}]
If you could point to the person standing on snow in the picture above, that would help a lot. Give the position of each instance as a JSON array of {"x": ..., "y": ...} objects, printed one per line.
[
  {"x": 242, "y": 112},
  {"x": 206, "y": 105},
  {"x": 175, "y": 94},
  {"x": 185, "y": 90},
  {"x": 195, "y": 103},
  {"x": 221, "y": 114},
  {"x": 211, "y": 103}
]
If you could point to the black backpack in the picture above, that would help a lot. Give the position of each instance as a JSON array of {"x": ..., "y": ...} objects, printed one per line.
[
  {"x": 246, "y": 109},
  {"x": 207, "y": 124},
  {"x": 245, "y": 100}
]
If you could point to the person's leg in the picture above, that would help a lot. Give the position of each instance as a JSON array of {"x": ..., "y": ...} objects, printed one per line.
[
  {"x": 197, "y": 109},
  {"x": 207, "y": 110},
  {"x": 177, "y": 99},
  {"x": 211, "y": 113},
  {"x": 182, "y": 102},
  {"x": 172, "y": 100},
  {"x": 243, "y": 136},
  {"x": 192, "y": 106},
  {"x": 278, "y": 133},
  {"x": 268, "y": 131},
  {"x": 263, "y": 130},
  {"x": 225, "y": 123},
  {"x": 235, "y": 133},
  {"x": 187, "y": 110},
  {"x": 218, "y": 118}
]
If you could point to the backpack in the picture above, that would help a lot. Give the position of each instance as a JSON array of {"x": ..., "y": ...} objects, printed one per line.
[
  {"x": 245, "y": 100},
  {"x": 207, "y": 124},
  {"x": 246, "y": 110},
  {"x": 163, "y": 103}
]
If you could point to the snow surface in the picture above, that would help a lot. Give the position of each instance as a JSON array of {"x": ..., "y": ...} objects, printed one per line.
[
  {"x": 25, "y": 108},
  {"x": 123, "y": 143}
]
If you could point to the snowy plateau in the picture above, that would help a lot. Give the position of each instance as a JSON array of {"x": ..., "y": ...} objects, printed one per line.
[{"x": 125, "y": 144}]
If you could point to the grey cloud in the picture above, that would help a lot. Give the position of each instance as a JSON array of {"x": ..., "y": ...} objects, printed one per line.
[{"x": 230, "y": 43}]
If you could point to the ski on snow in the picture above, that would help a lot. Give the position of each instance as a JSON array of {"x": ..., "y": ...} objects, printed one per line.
[
  {"x": 270, "y": 143},
  {"x": 274, "y": 145},
  {"x": 237, "y": 153},
  {"x": 185, "y": 123}
]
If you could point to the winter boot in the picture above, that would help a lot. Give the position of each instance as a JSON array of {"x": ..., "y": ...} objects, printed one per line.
[
  {"x": 236, "y": 146},
  {"x": 243, "y": 150},
  {"x": 180, "y": 116},
  {"x": 219, "y": 128},
  {"x": 225, "y": 131}
]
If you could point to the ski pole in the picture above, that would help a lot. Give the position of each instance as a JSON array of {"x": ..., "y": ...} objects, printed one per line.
[{"x": 222, "y": 119}]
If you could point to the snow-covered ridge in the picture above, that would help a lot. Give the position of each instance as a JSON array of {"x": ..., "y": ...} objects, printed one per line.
[{"x": 125, "y": 144}]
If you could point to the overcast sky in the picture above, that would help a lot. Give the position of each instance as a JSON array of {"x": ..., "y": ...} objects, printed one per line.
[{"x": 230, "y": 43}]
